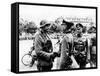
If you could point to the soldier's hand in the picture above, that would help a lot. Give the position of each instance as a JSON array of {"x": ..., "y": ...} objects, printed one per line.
[{"x": 53, "y": 55}]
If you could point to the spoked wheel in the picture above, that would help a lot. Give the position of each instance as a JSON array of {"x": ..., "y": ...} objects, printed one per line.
[{"x": 27, "y": 59}]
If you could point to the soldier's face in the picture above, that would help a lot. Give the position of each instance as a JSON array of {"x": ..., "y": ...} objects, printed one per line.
[
  {"x": 79, "y": 29},
  {"x": 46, "y": 28}
]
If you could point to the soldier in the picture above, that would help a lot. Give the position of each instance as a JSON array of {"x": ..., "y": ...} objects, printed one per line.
[
  {"x": 81, "y": 50},
  {"x": 76, "y": 45},
  {"x": 93, "y": 46},
  {"x": 66, "y": 46},
  {"x": 43, "y": 48}
]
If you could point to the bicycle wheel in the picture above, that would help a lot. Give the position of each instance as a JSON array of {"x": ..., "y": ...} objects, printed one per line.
[{"x": 26, "y": 59}]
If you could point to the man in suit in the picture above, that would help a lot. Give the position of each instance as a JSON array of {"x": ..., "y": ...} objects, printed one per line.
[{"x": 43, "y": 48}]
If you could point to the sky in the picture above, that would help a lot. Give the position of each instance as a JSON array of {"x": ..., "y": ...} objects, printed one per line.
[{"x": 38, "y": 13}]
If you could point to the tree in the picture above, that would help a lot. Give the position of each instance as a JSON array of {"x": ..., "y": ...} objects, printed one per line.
[{"x": 30, "y": 28}]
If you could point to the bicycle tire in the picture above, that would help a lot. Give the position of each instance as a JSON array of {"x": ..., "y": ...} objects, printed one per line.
[{"x": 28, "y": 59}]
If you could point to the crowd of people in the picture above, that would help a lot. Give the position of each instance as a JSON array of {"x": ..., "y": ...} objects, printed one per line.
[{"x": 75, "y": 44}]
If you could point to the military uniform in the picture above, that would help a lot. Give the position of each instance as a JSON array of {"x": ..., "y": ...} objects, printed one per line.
[
  {"x": 78, "y": 47},
  {"x": 93, "y": 50},
  {"x": 66, "y": 47},
  {"x": 44, "y": 61},
  {"x": 81, "y": 51}
]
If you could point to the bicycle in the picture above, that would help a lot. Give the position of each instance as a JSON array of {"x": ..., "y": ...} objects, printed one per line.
[{"x": 28, "y": 59}]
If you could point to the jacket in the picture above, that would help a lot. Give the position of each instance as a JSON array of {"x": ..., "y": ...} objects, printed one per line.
[
  {"x": 66, "y": 46},
  {"x": 66, "y": 51},
  {"x": 43, "y": 55}
]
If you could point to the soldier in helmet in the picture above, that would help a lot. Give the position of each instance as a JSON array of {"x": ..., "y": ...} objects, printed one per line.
[{"x": 43, "y": 48}]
